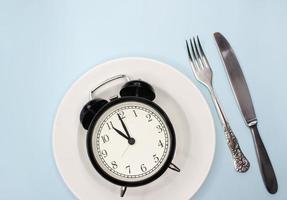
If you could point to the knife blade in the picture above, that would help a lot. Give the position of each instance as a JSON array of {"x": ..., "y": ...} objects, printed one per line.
[{"x": 243, "y": 98}]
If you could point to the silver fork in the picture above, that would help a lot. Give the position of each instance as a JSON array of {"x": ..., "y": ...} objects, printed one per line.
[{"x": 203, "y": 74}]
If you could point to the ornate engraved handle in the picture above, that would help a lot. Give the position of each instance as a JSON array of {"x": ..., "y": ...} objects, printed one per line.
[{"x": 241, "y": 164}]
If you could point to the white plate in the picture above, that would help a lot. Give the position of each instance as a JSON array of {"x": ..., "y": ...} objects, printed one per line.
[{"x": 183, "y": 103}]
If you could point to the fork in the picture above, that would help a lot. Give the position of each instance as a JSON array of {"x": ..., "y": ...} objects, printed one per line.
[{"x": 203, "y": 74}]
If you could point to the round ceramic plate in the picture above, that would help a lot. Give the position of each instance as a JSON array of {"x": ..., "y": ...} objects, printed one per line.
[{"x": 183, "y": 103}]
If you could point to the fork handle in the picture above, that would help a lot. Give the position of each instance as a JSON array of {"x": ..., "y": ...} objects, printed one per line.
[{"x": 241, "y": 164}]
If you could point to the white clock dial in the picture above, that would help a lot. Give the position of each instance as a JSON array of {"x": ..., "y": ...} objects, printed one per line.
[{"x": 131, "y": 161}]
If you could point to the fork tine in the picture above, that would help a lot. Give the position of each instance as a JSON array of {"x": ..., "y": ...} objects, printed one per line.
[
  {"x": 194, "y": 55},
  {"x": 192, "y": 48},
  {"x": 202, "y": 53},
  {"x": 188, "y": 51},
  {"x": 196, "y": 48},
  {"x": 192, "y": 59},
  {"x": 201, "y": 64},
  {"x": 200, "y": 47}
]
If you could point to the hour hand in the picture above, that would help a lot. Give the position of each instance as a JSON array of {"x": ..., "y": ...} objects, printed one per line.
[{"x": 120, "y": 133}]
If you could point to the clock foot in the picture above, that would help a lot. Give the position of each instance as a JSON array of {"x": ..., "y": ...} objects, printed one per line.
[
  {"x": 123, "y": 190},
  {"x": 174, "y": 167}
]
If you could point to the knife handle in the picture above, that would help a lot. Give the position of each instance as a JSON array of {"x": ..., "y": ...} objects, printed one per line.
[
  {"x": 241, "y": 164},
  {"x": 265, "y": 165}
]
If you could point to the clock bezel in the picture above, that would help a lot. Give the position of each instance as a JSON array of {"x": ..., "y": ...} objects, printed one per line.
[{"x": 170, "y": 154}]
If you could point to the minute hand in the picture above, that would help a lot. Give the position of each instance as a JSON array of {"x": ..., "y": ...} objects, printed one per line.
[{"x": 124, "y": 126}]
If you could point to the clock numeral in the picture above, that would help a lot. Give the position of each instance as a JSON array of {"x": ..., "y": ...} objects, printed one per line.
[
  {"x": 109, "y": 125},
  {"x": 143, "y": 168},
  {"x": 148, "y": 116},
  {"x": 135, "y": 113},
  {"x": 104, "y": 153},
  {"x": 156, "y": 159},
  {"x": 128, "y": 167},
  {"x": 114, "y": 165},
  {"x": 105, "y": 138},
  {"x": 159, "y": 128},
  {"x": 160, "y": 144},
  {"x": 122, "y": 114}
]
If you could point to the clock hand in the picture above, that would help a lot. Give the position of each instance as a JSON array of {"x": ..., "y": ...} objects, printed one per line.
[
  {"x": 125, "y": 151},
  {"x": 120, "y": 133},
  {"x": 131, "y": 141},
  {"x": 124, "y": 126}
]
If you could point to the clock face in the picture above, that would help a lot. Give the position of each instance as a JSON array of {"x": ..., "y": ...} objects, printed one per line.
[{"x": 131, "y": 142}]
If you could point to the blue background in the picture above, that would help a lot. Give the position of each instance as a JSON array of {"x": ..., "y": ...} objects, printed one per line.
[{"x": 45, "y": 45}]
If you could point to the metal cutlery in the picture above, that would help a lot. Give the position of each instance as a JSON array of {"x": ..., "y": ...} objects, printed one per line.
[
  {"x": 203, "y": 74},
  {"x": 243, "y": 97}
]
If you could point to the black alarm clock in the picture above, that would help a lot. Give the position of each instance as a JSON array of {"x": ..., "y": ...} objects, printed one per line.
[{"x": 130, "y": 139}]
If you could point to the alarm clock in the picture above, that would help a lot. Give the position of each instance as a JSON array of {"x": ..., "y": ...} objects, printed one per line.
[{"x": 130, "y": 140}]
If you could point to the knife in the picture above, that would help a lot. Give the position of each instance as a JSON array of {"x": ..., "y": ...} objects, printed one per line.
[{"x": 243, "y": 97}]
